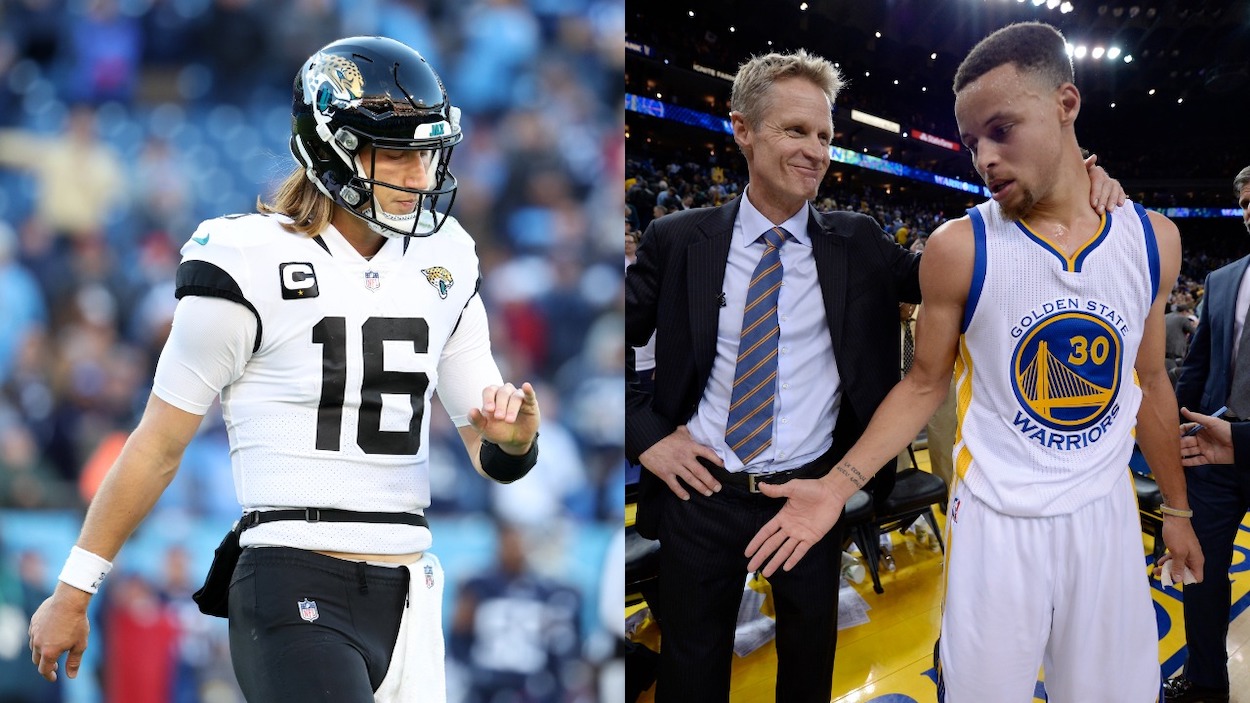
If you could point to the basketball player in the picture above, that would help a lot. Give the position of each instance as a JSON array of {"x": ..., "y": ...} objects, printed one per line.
[
  {"x": 1052, "y": 317},
  {"x": 325, "y": 323}
]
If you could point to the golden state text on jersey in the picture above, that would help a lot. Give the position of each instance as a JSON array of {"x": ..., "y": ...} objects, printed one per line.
[{"x": 1046, "y": 396}]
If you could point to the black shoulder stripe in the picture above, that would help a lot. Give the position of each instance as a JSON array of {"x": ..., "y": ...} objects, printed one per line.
[
  {"x": 322, "y": 243},
  {"x": 477, "y": 287},
  {"x": 211, "y": 281}
]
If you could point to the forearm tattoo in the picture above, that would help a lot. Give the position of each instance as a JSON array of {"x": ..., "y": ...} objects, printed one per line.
[{"x": 852, "y": 473}]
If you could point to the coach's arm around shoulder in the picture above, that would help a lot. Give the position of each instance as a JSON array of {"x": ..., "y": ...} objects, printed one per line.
[{"x": 143, "y": 470}]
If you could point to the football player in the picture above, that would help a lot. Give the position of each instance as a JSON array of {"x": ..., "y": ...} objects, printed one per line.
[{"x": 325, "y": 322}]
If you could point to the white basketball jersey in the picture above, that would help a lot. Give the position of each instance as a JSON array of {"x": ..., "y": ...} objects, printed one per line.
[
  {"x": 1047, "y": 396},
  {"x": 331, "y": 410}
]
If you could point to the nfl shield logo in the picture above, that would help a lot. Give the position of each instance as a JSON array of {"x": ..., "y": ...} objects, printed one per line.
[
  {"x": 429, "y": 576},
  {"x": 308, "y": 610},
  {"x": 372, "y": 280}
]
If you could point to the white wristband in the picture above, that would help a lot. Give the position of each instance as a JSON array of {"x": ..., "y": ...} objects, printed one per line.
[{"x": 84, "y": 570}]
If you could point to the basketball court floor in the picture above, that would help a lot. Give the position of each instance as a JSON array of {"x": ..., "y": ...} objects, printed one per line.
[{"x": 889, "y": 658}]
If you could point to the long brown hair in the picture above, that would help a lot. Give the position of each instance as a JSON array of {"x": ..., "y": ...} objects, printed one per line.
[{"x": 298, "y": 198}]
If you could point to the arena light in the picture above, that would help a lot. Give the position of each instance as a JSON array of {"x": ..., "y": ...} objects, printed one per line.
[
  {"x": 1067, "y": 46},
  {"x": 1112, "y": 106},
  {"x": 878, "y": 122},
  {"x": 1052, "y": 4},
  {"x": 933, "y": 56},
  {"x": 1038, "y": 2},
  {"x": 1113, "y": 53},
  {"x": 1150, "y": 92},
  {"x": 1180, "y": 100},
  {"x": 878, "y": 34},
  {"x": 1080, "y": 51},
  {"x": 1066, "y": 7},
  {"x": 803, "y": 6},
  {"x": 1128, "y": 58},
  {"x": 1098, "y": 52},
  {"x": 692, "y": 13}
]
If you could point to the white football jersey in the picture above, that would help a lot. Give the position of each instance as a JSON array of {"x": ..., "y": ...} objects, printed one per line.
[
  {"x": 1047, "y": 396},
  {"x": 331, "y": 408}
]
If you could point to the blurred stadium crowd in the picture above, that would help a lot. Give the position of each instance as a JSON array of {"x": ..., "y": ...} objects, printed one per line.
[
  {"x": 661, "y": 181},
  {"x": 123, "y": 123}
]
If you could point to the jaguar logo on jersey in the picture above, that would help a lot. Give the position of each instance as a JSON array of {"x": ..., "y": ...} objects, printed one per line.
[
  {"x": 429, "y": 576},
  {"x": 440, "y": 278},
  {"x": 308, "y": 610},
  {"x": 373, "y": 281},
  {"x": 332, "y": 80},
  {"x": 1066, "y": 369},
  {"x": 298, "y": 280}
]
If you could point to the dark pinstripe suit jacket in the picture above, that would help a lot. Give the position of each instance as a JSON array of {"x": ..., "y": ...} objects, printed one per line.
[
  {"x": 674, "y": 287},
  {"x": 1207, "y": 373}
]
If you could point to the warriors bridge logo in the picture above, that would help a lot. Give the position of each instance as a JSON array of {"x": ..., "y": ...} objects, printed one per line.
[{"x": 1067, "y": 371}]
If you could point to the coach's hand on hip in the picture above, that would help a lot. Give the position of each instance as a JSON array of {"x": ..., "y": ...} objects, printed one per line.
[
  {"x": 59, "y": 626},
  {"x": 677, "y": 456}
]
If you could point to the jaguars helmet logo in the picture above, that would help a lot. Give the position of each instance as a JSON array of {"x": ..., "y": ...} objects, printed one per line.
[
  {"x": 332, "y": 80},
  {"x": 440, "y": 278},
  {"x": 1067, "y": 370}
]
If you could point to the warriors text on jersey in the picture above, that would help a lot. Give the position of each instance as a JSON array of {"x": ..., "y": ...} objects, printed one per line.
[
  {"x": 330, "y": 406},
  {"x": 1047, "y": 397}
]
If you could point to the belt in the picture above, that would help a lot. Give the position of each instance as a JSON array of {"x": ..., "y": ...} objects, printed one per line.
[
  {"x": 751, "y": 482},
  {"x": 254, "y": 518}
]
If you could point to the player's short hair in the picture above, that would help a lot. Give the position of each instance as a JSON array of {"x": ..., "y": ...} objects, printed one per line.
[
  {"x": 1034, "y": 47},
  {"x": 298, "y": 198},
  {"x": 1240, "y": 181},
  {"x": 752, "y": 95}
]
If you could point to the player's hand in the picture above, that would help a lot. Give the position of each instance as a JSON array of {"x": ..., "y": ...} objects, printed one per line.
[
  {"x": 812, "y": 507},
  {"x": 1213, "y": 444},
  {"x": 677, "y": 457},
  {"x": 1183, "y": 549},
  {"x": 60, "y": 625},
  {"x": 1105, "y": 192},
  {"x": 509, "y": 416}
]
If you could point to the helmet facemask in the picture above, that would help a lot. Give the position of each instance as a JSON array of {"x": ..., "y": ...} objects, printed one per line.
[{"x": 360, "y": 195}]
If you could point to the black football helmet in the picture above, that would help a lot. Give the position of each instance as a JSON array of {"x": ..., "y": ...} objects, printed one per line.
[{"x": 374, "y": 91}]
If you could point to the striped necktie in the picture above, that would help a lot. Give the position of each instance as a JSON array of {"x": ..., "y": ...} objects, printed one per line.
[
  {"x": 909, "y": 346},
  {"x": 750, "y": 426}
]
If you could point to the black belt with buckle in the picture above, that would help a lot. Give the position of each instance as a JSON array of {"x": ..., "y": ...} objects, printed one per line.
[
  {"x": 751, "y": 482},
  {"x": 255, "y": 518}
]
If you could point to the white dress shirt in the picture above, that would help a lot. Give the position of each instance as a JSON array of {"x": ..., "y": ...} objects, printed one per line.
[{"x": 808, "y": 385}]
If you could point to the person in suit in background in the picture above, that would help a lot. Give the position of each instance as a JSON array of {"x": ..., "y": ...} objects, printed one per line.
[
  {"x": 1216, "y": 441},
  {"x": 824, "y": 306},
  {"x": 1216, "y": 372}
]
